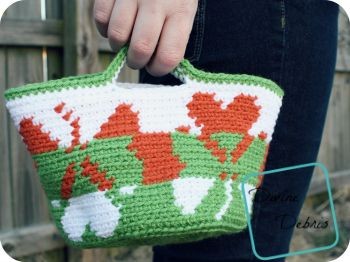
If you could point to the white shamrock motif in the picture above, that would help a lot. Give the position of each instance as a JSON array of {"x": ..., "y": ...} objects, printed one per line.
[
  {"x": 189, "y": 192},
  {"x": 94, "y": 209}
]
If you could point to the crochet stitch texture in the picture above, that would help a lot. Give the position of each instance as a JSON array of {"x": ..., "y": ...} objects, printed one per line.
[{"x": 129, "y": 164}]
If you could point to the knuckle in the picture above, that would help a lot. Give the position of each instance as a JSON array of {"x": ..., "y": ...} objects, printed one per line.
[
  {"x": 170, "y": 59},
  {"x": 184, "y": 8},
  {"x": 101, "y": 18},
  {"x": 142, "y": 48},
  {"x": 101, "y": 15},
  {"x": 118, "y": 35}
]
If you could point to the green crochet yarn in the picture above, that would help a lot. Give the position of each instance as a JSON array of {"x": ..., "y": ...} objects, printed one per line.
[
  {"x": 129, "y": 164},
  {"x": 141, "y": 222},
  {"x": 184, "y": 69}
]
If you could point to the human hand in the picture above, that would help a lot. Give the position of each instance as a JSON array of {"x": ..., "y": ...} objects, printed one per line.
[{"x": 157, "y": 30}]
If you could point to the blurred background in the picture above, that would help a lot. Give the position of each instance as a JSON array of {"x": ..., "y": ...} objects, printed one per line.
[{"x": 49, "y": 39}]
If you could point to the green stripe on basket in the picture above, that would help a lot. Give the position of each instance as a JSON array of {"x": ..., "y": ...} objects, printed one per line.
[
  {"x": 89, "y": 80},
  {"x": 186, "y": 68}
]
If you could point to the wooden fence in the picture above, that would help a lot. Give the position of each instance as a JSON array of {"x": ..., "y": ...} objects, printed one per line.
[{"x": 48, "y": 39}]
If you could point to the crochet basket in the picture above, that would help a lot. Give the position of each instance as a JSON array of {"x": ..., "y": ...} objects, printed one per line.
[{"x": 130, "y": 164}]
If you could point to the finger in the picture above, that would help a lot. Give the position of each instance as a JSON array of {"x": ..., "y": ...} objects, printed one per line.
[
  {"x": 172, "y": 45},
  {"x": 121, "y": 23},
  {"x": 102, "y": 13},
  {"x": 145, "y": 35}
]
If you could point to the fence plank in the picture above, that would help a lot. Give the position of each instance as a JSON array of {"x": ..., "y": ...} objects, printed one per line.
[
  {"x": 54, "y": 63},
  {"x": 6, "y": 221},
  {"x": 338, "y": 180},
  {"x": 24, "y": 65},
  {"x": 125, "y": 75},
  {"x": 29, "y": 205},
  {"x": 69, "y": 43},
  {"x": 29, "y": 9},
  {"x": 104, "y": 44},
  {"x": 41, "y": 238},
  {"x": 128, "y": 75},
  {"x": 31, "y": 240},
  {"x": 57, "y": 255},
  {"x": 40, "y": 33},
  {"x": 343, "y": 61},
  {"x": 335, "y": 146},
  {"x": 105, "y": 59},
  {"x": 80, "y": 45},
  {"x": 36, "y": 33},
  {"x": 54, "y": 9}
]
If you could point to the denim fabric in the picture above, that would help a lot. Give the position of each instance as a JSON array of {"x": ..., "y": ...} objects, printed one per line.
[{"x": 292, "y": 42}]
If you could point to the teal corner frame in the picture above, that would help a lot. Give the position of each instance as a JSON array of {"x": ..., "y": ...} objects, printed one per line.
[{"x": 331, "y": 204}]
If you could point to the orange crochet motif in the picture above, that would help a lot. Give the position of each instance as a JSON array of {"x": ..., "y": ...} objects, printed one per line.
[{"x": 237, "y": 117}]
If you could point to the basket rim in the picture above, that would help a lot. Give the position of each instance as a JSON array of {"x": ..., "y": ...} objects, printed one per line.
[{"x": 185, "y": 70}]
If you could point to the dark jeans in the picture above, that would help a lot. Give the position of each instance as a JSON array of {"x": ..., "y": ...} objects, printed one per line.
[{"x": 292, "y": 42}]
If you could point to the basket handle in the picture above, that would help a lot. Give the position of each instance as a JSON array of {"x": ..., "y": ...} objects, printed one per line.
[{"x": 181, "y": 72}]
